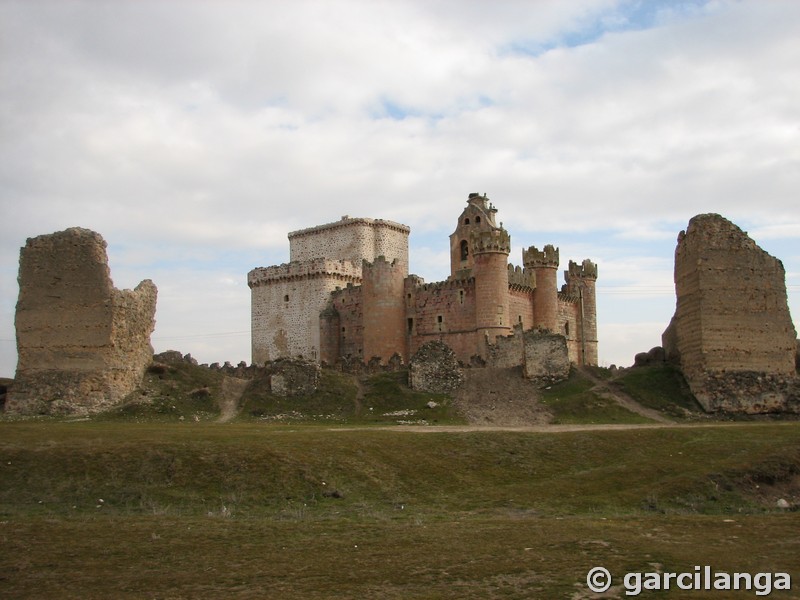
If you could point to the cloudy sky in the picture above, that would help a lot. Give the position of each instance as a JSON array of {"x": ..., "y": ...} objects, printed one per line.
[{"x": 193, "y": 135}]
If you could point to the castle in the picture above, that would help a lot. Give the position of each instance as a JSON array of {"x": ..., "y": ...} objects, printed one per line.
[{"x": 346, "y": 294}]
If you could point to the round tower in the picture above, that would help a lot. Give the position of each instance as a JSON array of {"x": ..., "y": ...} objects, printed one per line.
[
  {"x": 580, "y": 281},
  {"x": 490, "y": 250},
  {"x": 544, "y": 264},
  {"x": 384, "y": 309}
]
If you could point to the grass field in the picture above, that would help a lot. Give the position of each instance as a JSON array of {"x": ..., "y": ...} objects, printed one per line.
[{"x": 249, "y": 510}]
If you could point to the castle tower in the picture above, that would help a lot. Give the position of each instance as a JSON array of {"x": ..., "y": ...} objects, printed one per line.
[
  {"x": 580, "y": 281},
  {"x": 329, "y": 324},
  {"x": 477, "y": 216},
  {"x": 384, "y": 309},
  {"x": 544, "y": 264},
  {"x": 490, "y": 250}
]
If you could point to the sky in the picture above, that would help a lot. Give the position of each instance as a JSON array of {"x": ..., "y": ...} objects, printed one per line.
[{"x": 194, "y": 135}]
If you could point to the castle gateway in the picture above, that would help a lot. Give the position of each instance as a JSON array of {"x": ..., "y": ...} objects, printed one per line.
[{"x": 346, "y": 293}]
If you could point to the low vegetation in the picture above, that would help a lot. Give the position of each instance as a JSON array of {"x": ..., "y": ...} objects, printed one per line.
[
  {"x": 238, "y": 510},
  {"x": 311, "y": 498}
]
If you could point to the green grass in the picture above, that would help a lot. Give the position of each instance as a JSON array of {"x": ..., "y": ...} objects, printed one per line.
[
  {"x": 573, "y": 401},
  {"x": 333, "y": 402},
  {"x": 94, "y": 510},
  {"x": 386, "y": 400},
  {"x": 238, "y": 510},
  {"x": 387, "y": 396},
  {"x": 661, "y": 388},
  {"x": 174, "y": 392}
]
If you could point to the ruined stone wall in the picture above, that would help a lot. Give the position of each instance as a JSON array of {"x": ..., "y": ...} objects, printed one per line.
[
  {"x": 352, "y": 239},
  {"x": 434, "y": 368},
  {"x": 731, "y": 316},
  {"x": 83, "y": 345},
  {"x": 286, "y": 301},
  {"x": 546, "y": 356},
  {"x": 542, "y": 354}
]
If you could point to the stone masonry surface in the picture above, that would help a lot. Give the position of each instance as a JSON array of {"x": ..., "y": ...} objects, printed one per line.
[
  {"x": 732, "y": 333},
  {"x": 83, "y": 345},
  {"x": 347, "y": 296}
]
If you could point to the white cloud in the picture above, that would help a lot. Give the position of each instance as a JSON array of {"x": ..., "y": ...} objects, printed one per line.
[{"x": 201, "y": 133}]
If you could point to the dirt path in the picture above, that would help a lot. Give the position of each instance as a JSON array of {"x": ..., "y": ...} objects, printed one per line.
[
  {"x": 540, "y": 428},
  {"x": 232, "y": 390},
  {"x": 606, "y": 388},
  {"x": 499, "y": 397}
]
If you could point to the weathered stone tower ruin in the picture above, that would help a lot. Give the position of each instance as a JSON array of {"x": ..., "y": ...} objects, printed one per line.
[
  {"x": 83, "y": 345},
  {"x": 732, "y": 333}
]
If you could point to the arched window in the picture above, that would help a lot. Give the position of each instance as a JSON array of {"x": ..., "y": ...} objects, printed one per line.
[
  {"x": 464, "y": 249},
  {"x": 466, "y": 221},
  {"x": 477, "y": 219},
  {"x": 566, "y": 329}
]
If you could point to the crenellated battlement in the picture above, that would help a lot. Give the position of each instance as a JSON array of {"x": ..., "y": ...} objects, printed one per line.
[
  {"x": 347, "y": 221},
  {"x": 564, "y": 296},
  {"x": 306, "y": 269},
  {"x": 447, "y": 284},
  {"x": 522, "y": 278},
  {"x": 534, "y": 258},
  {"x": 494, "y": 240},
  {"x": 346, "y": 293},
  {"x": 380, "y": 263},
  {"x": 586, "y": 270}
]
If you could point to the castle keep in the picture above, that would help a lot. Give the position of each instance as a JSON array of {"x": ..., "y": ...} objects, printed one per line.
[{"x": 347, "y": 293}]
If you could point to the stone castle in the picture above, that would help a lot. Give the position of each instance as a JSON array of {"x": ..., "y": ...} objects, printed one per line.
[{"x": 346, "y": 294}]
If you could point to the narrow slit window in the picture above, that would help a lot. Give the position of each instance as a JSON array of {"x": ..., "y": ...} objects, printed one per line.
[
  {"x": 439, "y": 320},
  {"x": 410, "y": 325},
  {"x": 286, "y": 298}
]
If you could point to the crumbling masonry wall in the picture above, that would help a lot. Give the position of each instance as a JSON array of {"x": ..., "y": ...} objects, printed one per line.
[
  {"x": 82, "y": 344},
  {"x": 732, "y": 333}
]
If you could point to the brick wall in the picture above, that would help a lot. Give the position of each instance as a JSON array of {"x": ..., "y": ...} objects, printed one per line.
[
  {"x": 443, "y": 310},
  {"x": 384, "y": 310}
]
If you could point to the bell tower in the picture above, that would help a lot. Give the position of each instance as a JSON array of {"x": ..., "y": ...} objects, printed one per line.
[{"x": 478, "y": 216}]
